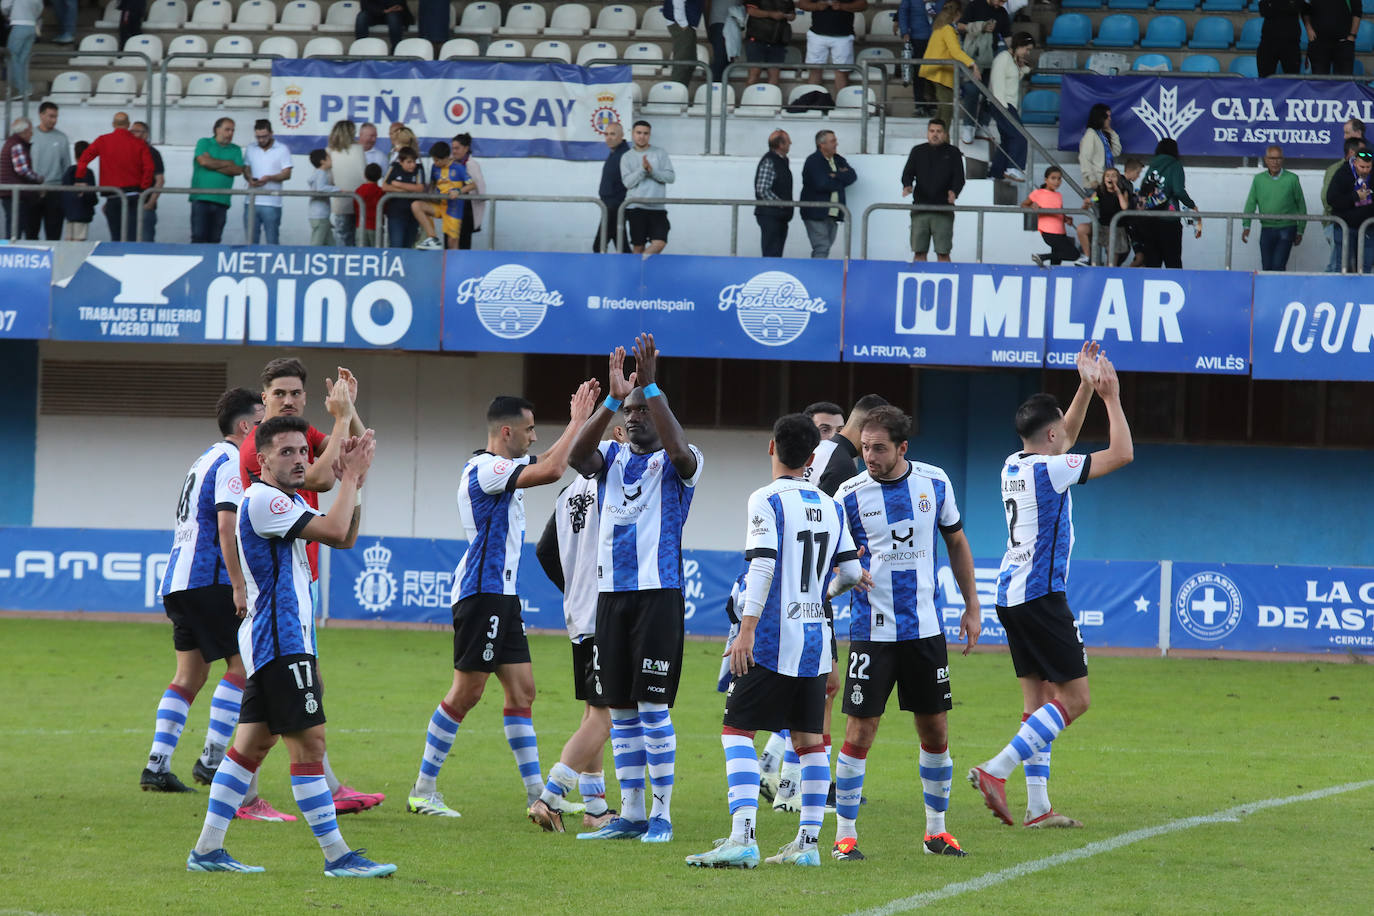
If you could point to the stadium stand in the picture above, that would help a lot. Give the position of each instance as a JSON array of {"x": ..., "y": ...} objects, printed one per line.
[
  {"x": 1040, "y": 106},
  {"x": 1212, "y": 33},
  {"x": 667, "y": 98},
  {"x": 559, "y": 50},
  {"x": 323, "y": 46},
  {"x": 1168, "y": 32},
  {"x": 340, "y": 16},
  {"x": 569, "y": 20},
  {"x": 1200, "y": 63},
  {"x": 1152, "y": 62},
  {"x": 459, "y": 47},
  {"x": 413, "y": 47},
  {"x": 1072, "y": 30},
  {"x": 299, "y": 16},
  {"x": 1119, "y": 30}
]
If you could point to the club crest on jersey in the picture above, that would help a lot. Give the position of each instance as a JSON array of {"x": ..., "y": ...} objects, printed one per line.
[
  {"x": 578, "y": 504},
  {"x": 312, "y": 705},
  {"x": 856, "y": 696},
  {"x": 924, "y": 504},
  {"x": 375, "y": 587},
  {"x": 280, "y": 505},
  {"x": 488, "y": 653}
]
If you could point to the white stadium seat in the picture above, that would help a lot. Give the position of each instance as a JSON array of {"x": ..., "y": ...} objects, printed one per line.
[
  {"x": 596, "y": 50},
  {"x": 481, "y": 18},
  {"x": 569, "y": 19},
  {"x": 211, "y": 14},
  {"x": 323, "y": 46},
  {"x": 299, "y": 16},
  {"x": 615, "y": 20},
  {"x": 369, "y": 47},
  {"x": 114, "y": 89},
  {"x": 459, "y": 47},
  {"x": 667, "y": 98},
  {"x": 506, "y": 47},
  {"x": 95, "y": 51},
  {"x": 155, "y": 84},
  {"x": 256, "y": 14},
  {"x": 524, "y": 19},
  {"x": 206, "y": 89},
  {"x": 230, "y": 44},
  {"x": 340, "y": 16},
  {"x": 849, "y": 102},
  {"x": 70, "y": 88},
  {"x": 883, "y": 55},
  {"x": 761, "y": 100},
  {"x": 277, "y": 44},
  {"x": 252, "y": 90},
  {"x": 109, "y": 19},
  {"x": 558, "y": 49},
  {"x": 655, "y": 24},
  {"x": 166, "y": 14},
  {"x": 414, "y": 47},
  {"x": 186, "y": 44},
  {"x": 644, "y": 51},
  {"x": 719, "y": 94},
  {"x": 149, "y": 45}
]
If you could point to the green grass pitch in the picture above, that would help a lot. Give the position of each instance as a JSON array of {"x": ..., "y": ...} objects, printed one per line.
[{"x": 1165, "y": 740}]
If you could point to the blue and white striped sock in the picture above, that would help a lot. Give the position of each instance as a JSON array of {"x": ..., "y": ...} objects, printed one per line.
[
  {"x": 317, "y": 806},
  {"x": 815, "y": 784},
  {"x": 937, "y": 773},
  {"x": 562, "y": 778},
  {"x": 1037, "y": 770},
  {"x": 439, "y": 736},
  {"x": 226, "y": 795},
  {"x": 171, "y": 720},
  {"x": 224, "y": 715},
  {"x": 790, "y": 782},
  {"x": 771, "y": 759},
  {"x": 849, "y": 787},
  {"x": 1035, "y": 734},
  {"x": 660, "y": 753},
  {"x": 524, "y": 745},
  {"x": 742, "y": 783},
  {"x": 592, "y": 788},
  {"x": 627, "y": 749}
]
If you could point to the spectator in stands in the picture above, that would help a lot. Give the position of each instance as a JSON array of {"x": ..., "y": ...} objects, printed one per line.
[
  {"x": 1353, "y": 128},
  {"x": 321, "y": 233},
  {"x": 1333, "y": 231},
  {"x": 766, "y": 35},
  {"x": 367, "y": 139},
  {"x": 944, "y": 45},
  {"x": 427, "y": 211},
  {"x": 433, "y": 22},
  {"x": 371, "y": 193},
  {"x": 1130, "y": 174},
  {"x": 1280, "y": 37},
  {"x": 646, "y": 172},
  {"x": 683, "y": 18},
  {"x": 401, "y": 137},
  {"x": 16, "y": 168},
  {"x": 394, "y": 13},
  {"x": 217, "y": 160},
  {"x": 986, "y": 29},
  {"x": 825, "y": 175},
  {"x": 403, "y": 177},
  {"x": 23, "y": 16},
  {"x": 346, "y": 166},
  {"x": 131, "y": 13},
  {"x": 66, "y": 22},
  {"x": 1052, "y": 226},
  {"x": 831, "y": 39},
  {"x": 1331, "y": 29},
  {"x": 1351, "y": 196},
  {"x": 1162, "y": 188},
  {"x": 140, "y": 130},
  {"x": 266, "y": 165},
  {"x": 1113, "y": 196},
  {"x": 988, "y": 11},
  {"x": 933, "y": 176},
  {"x": 77, "y": 207},
  {"x": 1008, "y": 70},
  {"x": 50, "y": 152},
  {"x": 461, "y": 147},
  {"x": 1275, "y": 190},
  {"x": 452, "y": 181},
  {"x": 913, "y": 24},
  {"x": 1100, "y": 146},
  {"x": 725, "y": 23},
  {"x": 773, "y": 181},
  {"x": 126, "y": 162},
  {"x": 612, "y": 189}
]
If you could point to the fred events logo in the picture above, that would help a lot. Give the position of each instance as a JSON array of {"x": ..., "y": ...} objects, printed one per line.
[
  {"x": 511, "y": 300},
  {"x": 773, "y": 307},
  {"x": 1167, "y": 120},
  {"x": 1208, "y": 606},
  {"x": 375, "y": 587}
]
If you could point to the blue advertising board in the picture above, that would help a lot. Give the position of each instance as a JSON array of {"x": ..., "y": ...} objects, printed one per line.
[
  {"x": 1239, "y": 607},
  {"x": 26, "y": 277},
  {"x": 1313, "y": 327},
  {"x": 1020, "y": 317},
  {"x": 1217, "y": 117},
  {"x": 305, "y": 297},
  {"x": 82, "y": 569},
  {"x": 736, "y": 308}
]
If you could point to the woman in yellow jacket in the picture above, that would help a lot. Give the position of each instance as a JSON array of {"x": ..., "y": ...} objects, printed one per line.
[{"x": 944, "y": 44}]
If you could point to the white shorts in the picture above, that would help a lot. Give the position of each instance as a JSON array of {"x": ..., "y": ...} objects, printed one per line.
[{"x": 829, "y": 49}]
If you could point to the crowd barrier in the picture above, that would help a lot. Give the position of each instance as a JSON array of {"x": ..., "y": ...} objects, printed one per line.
[
  {"x": 1270, "y": 326},
  {"x": 1165, "y": 605}
]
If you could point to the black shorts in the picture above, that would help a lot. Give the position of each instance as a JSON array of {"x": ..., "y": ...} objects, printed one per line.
[
  {"x": 584, "y": 672},
  {"x": 1044, "y": 639},
  {"x": 647, "y": 225},
  {"x": 919, "y": 668},
  {"x": 488, "y": 631},
  {"x": 760, "y": 52},
  {"x": 763, "y": 700},
  {"x": 286, "y": 693},
  {"x": 204, "y": 619},
  {"x": 638, "y": 647}
]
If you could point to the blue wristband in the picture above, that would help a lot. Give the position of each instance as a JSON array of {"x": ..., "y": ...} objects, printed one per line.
[
  {"x": 611, "y": 404},
  {"x": 651, "y": 390}
]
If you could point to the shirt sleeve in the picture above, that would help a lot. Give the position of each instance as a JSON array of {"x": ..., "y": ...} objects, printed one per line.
[
  {"x": 762, "y": 537},
  {"x": 496, "y": 474},
  {"x": 228, "y": 486},
  {"x": 273, "y": 514},
  {"x": 844, "y": 548},
  {"x": 949, "y": 519},
  {"x": 696, "y": 474},
  {"x": 1067, "y": 470},
  {"x": 248, "y": 461},
  {"x": 315, "y": 439}
]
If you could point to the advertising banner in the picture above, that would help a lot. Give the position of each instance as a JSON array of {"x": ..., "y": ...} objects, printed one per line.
[
  {"x": 1217, "y": 117},
  {"x": 985, "y": 315},
  {"x": 82, "y": 569},
  {"x": 516, "y": 108},
  {"x": 736, "y": 308},
  {"x": 26, "y": 277},
  {"x": 306, "y": 297},
  {"x": 1313, "y": 327}
]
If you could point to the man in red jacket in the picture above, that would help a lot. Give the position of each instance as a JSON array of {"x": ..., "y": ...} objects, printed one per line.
[{"x": 126, "y": 163}]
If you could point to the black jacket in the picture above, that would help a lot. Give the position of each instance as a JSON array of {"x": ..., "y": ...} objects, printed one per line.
[
  {"x": 612, "y": 188},
  {"x": 1340, "y": 194},
  {"x": 774, "y": 175},
  {"x": 932, "y": 172},
  {"x": 818, "y": 183},
  {"x": 1330, "y": 19}
]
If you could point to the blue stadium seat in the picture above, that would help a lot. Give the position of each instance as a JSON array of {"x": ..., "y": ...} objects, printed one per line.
[
  {"x": 1245, "y": 66},
  {"x": 1157, "y": 63},
  {"x": 1213, "y": 33},
  {"x": 1119, "y": 30},
  {"x": 1128, "y": 4},
  {"x": 1250, "y": 34},
  {"x": 1175, "y": 6},
  {"x": 1071, "y": 30},
  {"x": 1080, "y": 5},
  {"x": 1364, "y": 38},
  {"x": 1168, "y": 32},
  {"x": 1040, "y": 106},
  {"x": 1223, "y": 6},
  {"x": 1200, "y": 63}
]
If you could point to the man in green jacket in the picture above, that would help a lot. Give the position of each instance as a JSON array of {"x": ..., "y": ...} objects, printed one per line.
[{"x": 1275, "y": 190}]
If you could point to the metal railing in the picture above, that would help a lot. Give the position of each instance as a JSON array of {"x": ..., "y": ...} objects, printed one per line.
[
  {"x": 861, "y": 68},
  {"x": 693, "y": 64},
  {"x": 383, "y": 229},
  {"x": 734, "y": 203},
  {"x": 1230, "y": 216},
  {"x": 13, "y": 191},
  {"x": 67, "y": 56},
  {"x": 979, "y": 210},
  {"x": 251, "y": 194}
]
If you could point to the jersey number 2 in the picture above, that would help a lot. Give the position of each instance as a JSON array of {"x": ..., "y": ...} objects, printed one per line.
[
  {"x": 1011, "y": 522},
  {"x": 813, "y": 550}
]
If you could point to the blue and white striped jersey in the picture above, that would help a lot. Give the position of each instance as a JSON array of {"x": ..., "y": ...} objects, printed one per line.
[
  {"x": 1035, "y": 494},
  {"x": 578, "y": 523},
  {"x": 492, "y": 509},
  {"x": 804, "y": 532},
  {"x": 213, "y": 484},
  {"x": 644, "y": 503},
  {"x": 281, "y": 612},
  {"x": 896, "y": 520}
]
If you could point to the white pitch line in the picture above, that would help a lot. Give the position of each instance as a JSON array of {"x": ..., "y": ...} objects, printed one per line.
[{"x": 982, "y": 882}]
